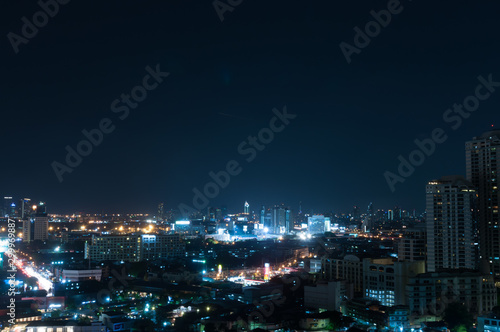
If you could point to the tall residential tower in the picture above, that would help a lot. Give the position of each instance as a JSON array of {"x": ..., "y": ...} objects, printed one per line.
[
  {"x": 451, "y": 224},
  {"x": 482, "y": 168}
]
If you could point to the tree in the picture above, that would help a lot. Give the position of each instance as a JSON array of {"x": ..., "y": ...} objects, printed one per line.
[
  {"x": 144, "y": 325},
  {"x": 31, "y": 282},
  {"x": 335, "y": 320},
  {"x": 496, "y": 310},
  {"x": 211, "y": 327},
  {"x": 55, "y": 314},
  {"x": 71, "y": 303},
  {"x": 138, "y": 269},
  {"x": 84, "y": 320},
  {"x": 457, "y": 317}
]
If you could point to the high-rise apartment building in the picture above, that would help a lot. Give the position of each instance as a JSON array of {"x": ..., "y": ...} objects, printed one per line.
[
  {"x": 411, "y": 246},
  {"x": 482, "y": 168},
  {"x": 27, "y": 230},
  {"x": 451, "y": 224},
  {"x": 41, "y": 223}
]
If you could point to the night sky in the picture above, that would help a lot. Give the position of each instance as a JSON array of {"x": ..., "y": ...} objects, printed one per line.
[{"x": 352, "y": 120}]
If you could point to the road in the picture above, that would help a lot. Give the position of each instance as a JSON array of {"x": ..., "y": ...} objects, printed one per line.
[{"x": 43, "y": 282}]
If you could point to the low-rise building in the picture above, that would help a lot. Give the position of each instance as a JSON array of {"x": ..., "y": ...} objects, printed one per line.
[
  {"x": 430, "y": 293},
  {"x": 349, "y": 268},
  {"x": 365, "y": 311},
  {"x": 115, "y": 321},
  {"x": 385, "y": 279},
  {"x": 488, "y": 323},
  {"x": 314, "y": 322},
  {"x": 64, "y": 326},
  {"x": 314, "y": 265},
  {"x": 261, "y": 293},
  {"x": 399, "y": 317},
  {"x": 327, "y": 295},
  {"x": 81, "y": 275}
]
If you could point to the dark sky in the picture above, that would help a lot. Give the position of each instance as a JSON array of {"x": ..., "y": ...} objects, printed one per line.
[{"x": 353, "y": 120}]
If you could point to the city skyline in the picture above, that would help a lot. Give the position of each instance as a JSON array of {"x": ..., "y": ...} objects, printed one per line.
[
  {"x": 298, "y": 206},
  {"x": 296, "y": 209}
]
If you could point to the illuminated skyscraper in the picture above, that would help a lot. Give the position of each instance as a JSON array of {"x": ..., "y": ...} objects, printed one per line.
[
  {"x": 161, "y": 212},
  {"x": 25, "y": 208},
  {"x": 41, "y": 223},
  {"x": 280, "y": 220},
  {"x": 356, "y": 212},
  {"x": 482, "y": 167},
  {"x": 7, "y": 207},
  {"x": 451, "y": 224},
  {"x": 27, "y": 230},
  {"x": 211, "y": 214},
  {"x": 318, "y": 224},
  {"x": 262, "y": 215},
  {"x": 219, "y": 214},
  {"x": 246, "y": 208},
  {"x": 368, "y": 222}
]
